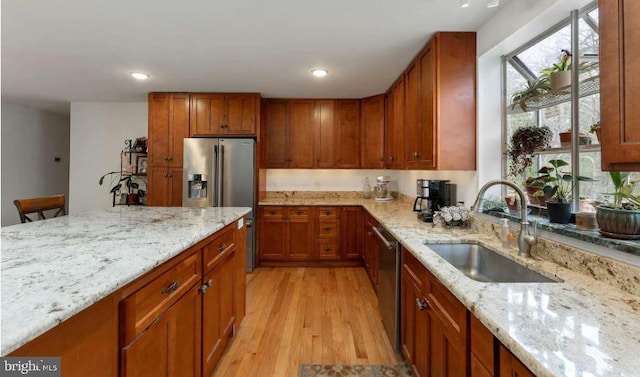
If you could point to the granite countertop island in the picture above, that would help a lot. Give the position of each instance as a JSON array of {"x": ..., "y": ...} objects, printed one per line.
[
  {"x": 53, "y": 269},
  {"x": 576, "y": 327}
]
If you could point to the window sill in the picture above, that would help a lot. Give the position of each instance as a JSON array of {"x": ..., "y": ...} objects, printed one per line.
[{"x": 569, "y": 230}]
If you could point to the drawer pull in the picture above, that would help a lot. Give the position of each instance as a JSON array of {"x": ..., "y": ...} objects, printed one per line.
[
  {"x": 299, "y": 212},
  {"x": 171, "y": 288},
  {"x": 222, "y": 247},
  {"x": 421, "y": 304},
  {"x": 206, "y": 286},
  {"x": 272, "y": 212},
  {"x": 327, "y": 229},
  {"x": 326, "y": 249},
  {"x": 327, "y": 213}
]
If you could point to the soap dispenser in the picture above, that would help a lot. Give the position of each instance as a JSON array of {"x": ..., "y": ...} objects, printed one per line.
[{"x": 505, "y": 233}]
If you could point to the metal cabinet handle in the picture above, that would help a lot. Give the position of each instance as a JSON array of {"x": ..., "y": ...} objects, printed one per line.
[
  {"x": 222, "y": 247},
  {"x": 326, "y": 249},
  {"x": 169, "y": 175},
  {"x": 421, "y": 304},
  {"x": 170, "y": 288},
  {"x": 326, "y": 229},
  {"x": 272, "y": 212},
  {"x": 416, "y": 154},
  {"x": 299, "y": 212},
  {"x": 327, "y": 213},
  {"x": 206, "y": 286},
  {"x": 390, "y": 158}
]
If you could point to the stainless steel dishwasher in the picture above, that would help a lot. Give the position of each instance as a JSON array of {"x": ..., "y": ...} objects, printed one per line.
[{"x": 389, "y": 284}]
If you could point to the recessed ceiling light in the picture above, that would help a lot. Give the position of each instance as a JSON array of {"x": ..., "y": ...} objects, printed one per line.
[
  {"x": 464, "y": 3},
  {"x": 140, "y": 75},
  {"x": 493, "y": 3},
  {"x": 319, "y": 72}
]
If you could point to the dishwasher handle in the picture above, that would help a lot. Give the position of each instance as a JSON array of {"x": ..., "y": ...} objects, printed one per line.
[{"x": 387, "y": 243}]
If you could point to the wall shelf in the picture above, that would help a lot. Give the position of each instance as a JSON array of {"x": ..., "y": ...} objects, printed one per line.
[
  {"x": 588, "y": 87},
  {"x": 583, "y": 148}
]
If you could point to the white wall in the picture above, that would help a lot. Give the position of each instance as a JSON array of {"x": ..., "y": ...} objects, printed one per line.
[
  {"x": 31, "y": 140},
  {"x": 98, "y": 132}
]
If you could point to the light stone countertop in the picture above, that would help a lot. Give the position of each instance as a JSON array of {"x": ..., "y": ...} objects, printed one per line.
[
  {"x": 55, "y": 268},
  {"x": 574, "y": 328}
]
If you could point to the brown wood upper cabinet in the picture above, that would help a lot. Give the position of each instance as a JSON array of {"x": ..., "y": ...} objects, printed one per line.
[
  {"x": 440, "y": 104},
  {"x": 619, "y": 86},
  {"x": 325, "y": 123},
  {"x": 289, "y": 134},
  {"x": 168, "y": 126},
  {"x": 372, "y": 132},
  {"x": 347, "y": 134},
  {"x": 218, "y": 114},
  {"x": 395, "y": 126}
]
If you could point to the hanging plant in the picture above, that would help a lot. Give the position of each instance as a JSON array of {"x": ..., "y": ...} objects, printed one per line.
[{"x": 524, "y": 141}]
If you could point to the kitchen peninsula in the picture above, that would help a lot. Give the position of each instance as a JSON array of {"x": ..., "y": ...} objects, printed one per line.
[{"x": 110, "y": 263}]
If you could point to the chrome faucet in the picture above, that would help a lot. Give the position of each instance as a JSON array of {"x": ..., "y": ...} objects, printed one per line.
[{"x": 525, "y": 240}]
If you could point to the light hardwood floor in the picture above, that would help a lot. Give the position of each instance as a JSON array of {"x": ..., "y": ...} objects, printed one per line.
[{"x": 306, "y": 316}]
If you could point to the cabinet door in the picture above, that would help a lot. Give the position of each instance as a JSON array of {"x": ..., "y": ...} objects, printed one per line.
[
  {"x": 372, "y": 133},
  {"x": 276, "y": 134},
  {"x": 271, "y": 233},
  {"x": 300, "y": 131},
  {"x": 395, "y": 132},
  {"x": 412, "y": 128},
  {"x": 426, "y": 158},
  {"x": 619, "y": 86},
  {"x": 324, "y": 138},
  {"x": 207, "y": 114},
  {"x": 158, "y": 141},
  {"x": 347, "y": 140},
  {"x": 351, "y": 232},
  {"x": 415, "y": 327},
  {"x": 164, "y": 187},
  {"x": 300, "y": 233},
  {"x": 174, "y": 181},
  {"x": 168, "y": 126},
  {"x": 510, "y": 366},
  {"x": 242, "y": 114},
  {"x": 447, "y": 356},
  {"x": 171, "y": 346},
  {"x": 157, "y": 188},
  {"x": 217, "y": 312}
]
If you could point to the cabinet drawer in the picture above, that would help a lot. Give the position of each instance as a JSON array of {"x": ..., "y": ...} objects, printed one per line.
[
  {"x": 450, "y": 310},
  {"x": 328, "y": 249},
  {"x": 219, "y": 246},
  {"x": 328, "y": 230},
  {"x": 415, "y": 270},
  {"x": 143, "y": 307},
  {"x": 272, "y": 213},
  {"x": 482, "y": 344},
  {"x": 299, "y": 214},
  {"x": 327, "y": 213}
]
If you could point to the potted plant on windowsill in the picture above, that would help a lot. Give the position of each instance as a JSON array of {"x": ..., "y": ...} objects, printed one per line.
[
  {"x": 621, "y": 217},
  {"x": 524, "y": 141},
  {"x": 595, "y": 129},
  {"x": 557, "y": 189}
]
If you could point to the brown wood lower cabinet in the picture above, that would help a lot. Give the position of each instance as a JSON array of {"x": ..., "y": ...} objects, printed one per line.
[
  {"x": 370, "y": 249},
  {"x": 440, "y": 337},
  {"x": 170, "y": 346},
  {"x": 308, "y": 235},
  {"x": 169, "y": 322}
]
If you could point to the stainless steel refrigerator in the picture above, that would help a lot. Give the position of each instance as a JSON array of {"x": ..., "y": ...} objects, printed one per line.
[{"x": 220, "y": 172}]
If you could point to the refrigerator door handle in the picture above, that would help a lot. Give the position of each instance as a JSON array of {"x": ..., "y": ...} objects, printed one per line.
[
  {"x": 219, "y": 188},
  {"x": 216, "y": 186}
]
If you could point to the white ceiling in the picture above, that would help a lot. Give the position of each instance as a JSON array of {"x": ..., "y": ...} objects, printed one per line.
[{"x": 57, "y": 52}]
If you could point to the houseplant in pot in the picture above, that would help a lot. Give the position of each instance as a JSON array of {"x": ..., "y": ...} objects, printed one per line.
[
  {"x": 533, "y": 89},
  {"x": 558, "y": 186},
  {"x": 126, "y": 180},
  {"x": 595, "y": 129},
  {"x": 524, "y": 141},
  {"x": 621, "y": 217},
  {"x": 559, "y": 73}
]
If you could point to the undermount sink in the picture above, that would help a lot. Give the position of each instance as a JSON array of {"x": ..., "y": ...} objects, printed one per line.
[{"x": 482, "y": 264}]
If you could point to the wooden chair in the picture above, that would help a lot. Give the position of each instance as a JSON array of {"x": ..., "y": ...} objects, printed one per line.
[{"x": 39, "y": 205}]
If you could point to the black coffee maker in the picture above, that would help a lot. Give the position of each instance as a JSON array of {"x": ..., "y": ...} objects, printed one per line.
[{"x": 431, "y": 195}]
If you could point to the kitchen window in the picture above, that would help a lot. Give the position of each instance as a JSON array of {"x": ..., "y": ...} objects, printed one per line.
[{"x": 555, "y": 109}]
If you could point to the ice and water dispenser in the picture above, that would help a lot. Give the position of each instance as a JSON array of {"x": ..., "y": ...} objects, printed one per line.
[{"x": 197, "y": 186}]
